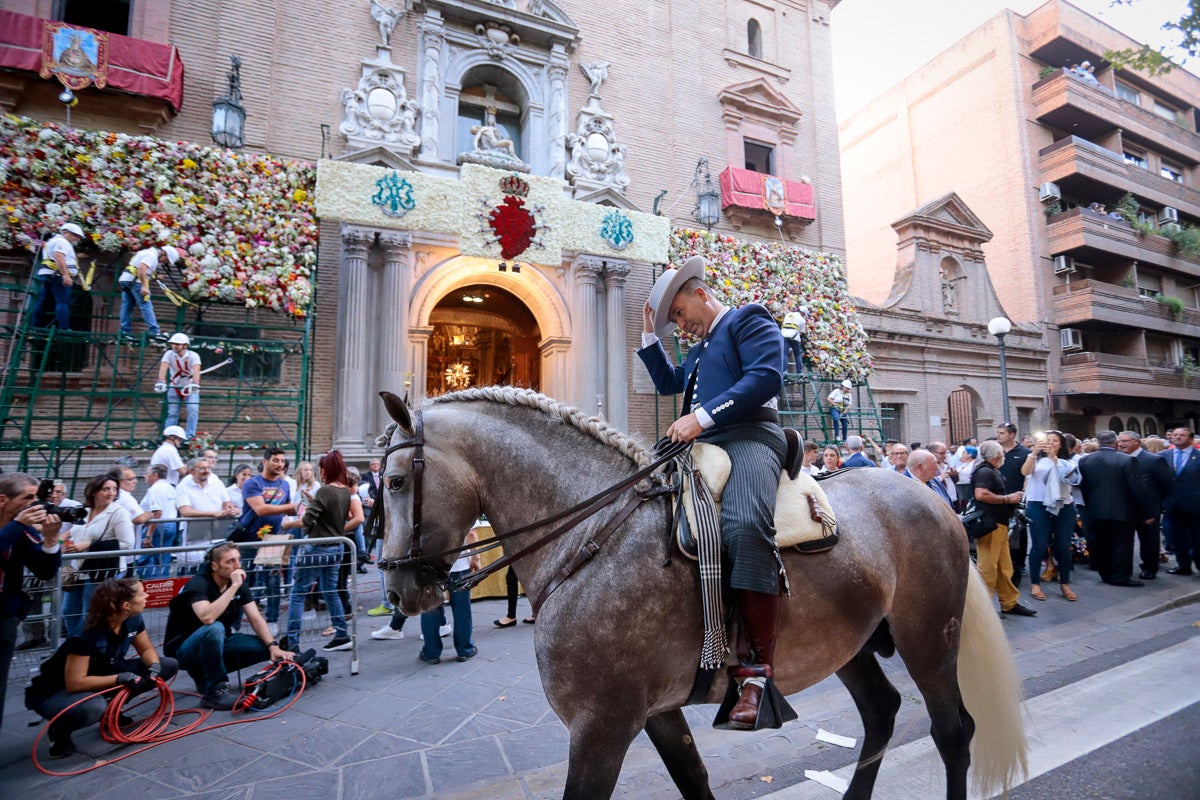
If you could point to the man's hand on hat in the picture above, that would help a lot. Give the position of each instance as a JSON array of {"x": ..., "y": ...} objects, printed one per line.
[
  {"x": 685, "y": 429},
  {"x": 647, "y": 318}
]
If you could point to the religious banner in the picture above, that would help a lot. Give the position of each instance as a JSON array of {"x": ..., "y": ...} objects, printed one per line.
[{"x": 78, "y": 57}]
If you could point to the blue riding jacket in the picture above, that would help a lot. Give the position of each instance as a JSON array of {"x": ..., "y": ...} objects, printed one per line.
[{"x": 739, "y": 365}]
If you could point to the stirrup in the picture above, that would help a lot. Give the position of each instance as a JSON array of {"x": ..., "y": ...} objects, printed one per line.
[{"x": 773, "y": 707}]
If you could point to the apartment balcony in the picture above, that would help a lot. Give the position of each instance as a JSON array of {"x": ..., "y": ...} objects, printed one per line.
[
  {"x": 1100, "y": 240},
  {"x": 1075, "y": 106},
  {"x": 1087, "y": 170},
  {"x": 1094, "y": 304},
  {"x": 1123, "y": 376}
]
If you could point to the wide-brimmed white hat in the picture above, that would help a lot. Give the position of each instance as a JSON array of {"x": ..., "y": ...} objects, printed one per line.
[
  {"x": 71, "y": 227},
  {"x": 174, "y": 430},
  {"x": 665, "y": 289},
  {"x": 172, "y": 254}
]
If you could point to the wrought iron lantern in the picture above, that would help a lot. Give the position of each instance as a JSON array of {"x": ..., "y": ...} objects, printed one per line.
[
  {"x": 708, "y": 199},
  {"x": 229, "y": 117}
]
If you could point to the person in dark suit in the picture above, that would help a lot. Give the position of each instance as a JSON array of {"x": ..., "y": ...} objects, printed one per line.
[
  {"x": 1182, "y": 505},
  {"x": 1157, "y": 480},
  {"x": 731, "y": 379},
  {"x": 1115, "y": 496},
  {"x": 856, "y": 458}
]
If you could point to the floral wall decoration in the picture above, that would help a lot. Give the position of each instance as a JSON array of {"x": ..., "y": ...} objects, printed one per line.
[
  {"x": 246, "y": 220},
  {"x": 784, "y": 278}
]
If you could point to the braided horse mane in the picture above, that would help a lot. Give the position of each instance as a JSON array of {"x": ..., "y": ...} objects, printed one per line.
[{"x": 591, "y": 426}]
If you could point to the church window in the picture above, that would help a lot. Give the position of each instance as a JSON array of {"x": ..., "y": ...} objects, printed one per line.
[
  {"x": 754, "y": 43},
  {"x": 103, "y": 15},
  {"x": 760, "y": 157}
]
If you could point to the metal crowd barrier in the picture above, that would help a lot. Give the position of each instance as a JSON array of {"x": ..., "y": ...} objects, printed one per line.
[{"x": 42, "y": 630}]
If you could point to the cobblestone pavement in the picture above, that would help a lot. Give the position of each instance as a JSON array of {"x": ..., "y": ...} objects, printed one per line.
[{"x": 483, "y": 728}]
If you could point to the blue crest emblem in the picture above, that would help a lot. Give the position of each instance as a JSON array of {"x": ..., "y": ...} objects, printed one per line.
[
  {"x": 394, "y": 196},
  {"x": 617, "y": 230}
]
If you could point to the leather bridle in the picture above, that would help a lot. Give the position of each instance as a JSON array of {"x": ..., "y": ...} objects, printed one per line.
[{"x": 437, "y": 572}]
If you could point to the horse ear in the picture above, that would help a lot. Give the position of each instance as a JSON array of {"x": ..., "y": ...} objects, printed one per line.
[{"x": 397, "y": 411}]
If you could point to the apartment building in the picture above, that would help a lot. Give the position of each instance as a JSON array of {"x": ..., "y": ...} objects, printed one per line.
[{"x": 1087, "y": 176}]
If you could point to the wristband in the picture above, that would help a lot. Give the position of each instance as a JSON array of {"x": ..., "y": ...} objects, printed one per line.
[{"x": 273, "y": 643}]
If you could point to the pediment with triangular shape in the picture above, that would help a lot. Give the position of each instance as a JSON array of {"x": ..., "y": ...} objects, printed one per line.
[
  {"x": 379, "y": 156},
  {"x": 760, "y": 99},
  {"x": 949, "y": 214},
  {"x": 603, "y": 196}
]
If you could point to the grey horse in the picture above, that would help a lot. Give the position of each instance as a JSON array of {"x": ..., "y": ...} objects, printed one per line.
[{"x": 618, "y": 643}]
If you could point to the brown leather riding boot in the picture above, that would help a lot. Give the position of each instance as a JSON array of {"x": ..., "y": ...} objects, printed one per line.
[{"x": 760, "y": 615}]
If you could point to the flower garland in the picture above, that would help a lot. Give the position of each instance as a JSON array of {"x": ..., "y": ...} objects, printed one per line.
[
  {"x": 246, "y": 220},
  {"x": 784, "y": 278}
]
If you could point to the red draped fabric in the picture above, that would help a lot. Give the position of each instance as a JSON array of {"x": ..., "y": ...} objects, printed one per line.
[
  {"x": 748, "y": 189},
  {"x": 134, "y": 66}
]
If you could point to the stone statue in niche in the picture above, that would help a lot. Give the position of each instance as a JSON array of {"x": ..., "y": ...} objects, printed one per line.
[
  {"x": 493, "y": 147},
  {"x": 949, "y": 287}
]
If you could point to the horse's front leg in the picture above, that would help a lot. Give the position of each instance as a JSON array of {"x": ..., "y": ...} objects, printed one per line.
[
  {"x": 672, "y": 738},
  {"x": 599, "y": 741},
  {"x": 877, "y": 701}
]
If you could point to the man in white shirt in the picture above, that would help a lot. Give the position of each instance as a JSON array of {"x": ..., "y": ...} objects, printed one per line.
[
  {"x": 126, "y": 480},
  {"x": 167, "y": 454},
  {"x": 159, "y": 502},
  {"x": 135, "y": 286},
  {"x": 58, "y": 270},
  {"x": 201, "y": 496}
]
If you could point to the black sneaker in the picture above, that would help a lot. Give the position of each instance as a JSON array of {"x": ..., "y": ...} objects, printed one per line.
[
  {"x": 219, "y": 698},
  {"x": 61, "y": 745},
  {"x": 1020, "y": 611},
  {"x": 467, "y": 656},
  {"x": 340, "y": 641},
  {"x": 426, "y": 659}
]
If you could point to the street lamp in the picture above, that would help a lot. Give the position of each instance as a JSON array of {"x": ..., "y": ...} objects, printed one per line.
[
  {"x": 68, "y": 99},
  {"x": 1000, "y": 327},
  {"x": 708, "y": 199},
  {"x": 229, "y": 117}
]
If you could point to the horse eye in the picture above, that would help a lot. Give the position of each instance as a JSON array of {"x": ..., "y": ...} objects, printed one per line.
[{"x": 396, "y": 483}]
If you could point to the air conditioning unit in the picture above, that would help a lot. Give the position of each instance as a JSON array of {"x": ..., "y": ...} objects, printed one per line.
[
  {"x": 1048, "y": 192},
  {"x": 1071, "y": 339},
  {"x": 1064, "y": 265},
  {"x": 1168, "y": 215}
]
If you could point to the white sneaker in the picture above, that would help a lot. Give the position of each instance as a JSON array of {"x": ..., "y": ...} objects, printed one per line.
[
  {"x": 443, "y": 631},
  {"x": 387, "y": 632}
]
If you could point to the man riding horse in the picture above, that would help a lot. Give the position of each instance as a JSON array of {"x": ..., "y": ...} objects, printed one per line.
[{"x": 731, "y": 379}]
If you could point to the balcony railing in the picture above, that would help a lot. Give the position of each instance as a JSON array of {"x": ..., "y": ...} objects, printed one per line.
[
  {"x": 1105, "y": 373},
  {"x": 1074, "y": 156},
  {"x": 1066, "y": 101},
  {"x": 1079, "y": 230},
  {"x": 1088, "y": 301}
]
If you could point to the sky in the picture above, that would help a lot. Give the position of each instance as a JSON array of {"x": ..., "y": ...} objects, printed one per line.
[{"x": 876, "y": 43}]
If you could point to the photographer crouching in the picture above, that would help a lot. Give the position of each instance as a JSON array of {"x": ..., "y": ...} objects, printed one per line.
[
  {"x": 28, "y": 540},
  {"x": 95, "y": 661}
]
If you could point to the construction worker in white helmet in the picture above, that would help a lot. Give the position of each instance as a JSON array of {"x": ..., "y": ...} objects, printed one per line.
[
  {"x": 179, "y": 377},
  {"x": 135, "y": 285}
]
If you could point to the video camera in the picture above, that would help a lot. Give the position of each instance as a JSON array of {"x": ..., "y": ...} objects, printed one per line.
[{"x": 74, "y": 515}]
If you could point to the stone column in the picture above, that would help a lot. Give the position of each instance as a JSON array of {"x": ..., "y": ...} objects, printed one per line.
[
  {"x": 587, "y": 334},
  {"x": 354, "y": 345},
  {"x": 556, "y": 119},
  {"x": 418, "y": 358},
  {"x": 391, "y": 367},
  {"x": 556, "y": 367},
  {"x": 617, "y": 392},
  {"x": 432, "y": 40}
]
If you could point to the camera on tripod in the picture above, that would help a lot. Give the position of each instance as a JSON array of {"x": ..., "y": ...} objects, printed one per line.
[{"x": 74, "y": 515}]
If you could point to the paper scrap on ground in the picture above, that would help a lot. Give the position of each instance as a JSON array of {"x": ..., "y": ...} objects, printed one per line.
[
  {"x": 827, "y": 778},
  {"x": 833, "y": 738}
]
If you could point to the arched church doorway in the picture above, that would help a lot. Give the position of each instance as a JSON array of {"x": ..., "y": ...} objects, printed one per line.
[
  {"x": 962, "y": 415},
  {"x": 482, "y": 336}
]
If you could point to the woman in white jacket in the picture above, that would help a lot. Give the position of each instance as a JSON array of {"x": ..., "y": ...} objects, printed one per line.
[{"x": 106, "y": 520}]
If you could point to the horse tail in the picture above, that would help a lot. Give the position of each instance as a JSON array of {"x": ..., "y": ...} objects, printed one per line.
[{"x": 991, "y": 691}]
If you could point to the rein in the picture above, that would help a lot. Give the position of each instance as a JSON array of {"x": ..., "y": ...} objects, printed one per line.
[{"x": 573, "y": 516}]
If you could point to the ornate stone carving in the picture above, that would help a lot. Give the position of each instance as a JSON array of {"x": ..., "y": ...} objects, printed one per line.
[
  {"x": 493, "y": 148},
  {"x": 378, "y": 111},
  {"x": 597, "y": 160},
  {"x": 497, "y": 39},
  {"x": 433, "y": 39},
  {"x": 388, "y": 17},
  {"x": 556, "y": 122}
]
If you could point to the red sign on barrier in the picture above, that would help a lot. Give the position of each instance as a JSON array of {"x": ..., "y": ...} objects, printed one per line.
[{"x": 160, "y": 591}]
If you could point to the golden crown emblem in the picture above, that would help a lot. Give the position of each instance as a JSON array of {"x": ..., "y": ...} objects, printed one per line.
[{"x": 515, "y": 185}]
